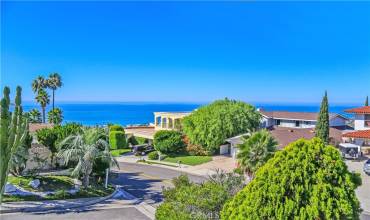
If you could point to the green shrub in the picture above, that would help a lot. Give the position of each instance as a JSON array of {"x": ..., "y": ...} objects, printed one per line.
[
  {"x": 137, "y": 140},
  {"x": 168, "y": 142},
  {"x": 153, "y": 155},
  {"x": 117, "y": 140},
  {"x": 306, "y": 180},
  {"x": 48, "y": 138},
  {"x": 210, "y": 125},
  {"x": 188, "y": 200},
  {"x": 63, "y": 131},
  {"x": 116, "y": 128}
]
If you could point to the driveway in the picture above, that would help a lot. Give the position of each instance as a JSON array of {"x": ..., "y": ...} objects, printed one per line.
[
  {"x": 225, "y": 163},
  {"x": 363, "y": 191}
]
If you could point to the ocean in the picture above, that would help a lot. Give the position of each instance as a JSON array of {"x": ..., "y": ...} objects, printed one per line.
[{"x": 130, "y": 113}]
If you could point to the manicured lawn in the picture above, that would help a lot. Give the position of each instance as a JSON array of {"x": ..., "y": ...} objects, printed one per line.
[
  {"x": 188, "y": 159},
  {"x": 59, "y": 184},
  {"x": 119, "y": 152}
]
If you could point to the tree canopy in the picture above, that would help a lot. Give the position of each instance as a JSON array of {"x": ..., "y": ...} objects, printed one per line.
[
  {"x": 210, "y": 125},
  {"x": 306, "y": 180}
]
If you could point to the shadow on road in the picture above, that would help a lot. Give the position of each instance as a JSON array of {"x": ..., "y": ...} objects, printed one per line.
[{"x": 139, "y": 186}]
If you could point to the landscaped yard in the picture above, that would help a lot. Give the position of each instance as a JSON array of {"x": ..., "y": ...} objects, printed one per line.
[
  {"x": 188, "y": 159},
  {"x": 119, "y": 152},
  {"x": 47, "y": 183},
  {"x": 59, "y": 184}
]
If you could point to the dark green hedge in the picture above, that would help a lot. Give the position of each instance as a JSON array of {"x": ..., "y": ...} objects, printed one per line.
[
  {"x": 117, "y": 140},
  {"x": 168, "y": 142}
]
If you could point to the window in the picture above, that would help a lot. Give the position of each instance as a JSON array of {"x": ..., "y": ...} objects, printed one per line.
[
  {"x": 278, "y": 122},
  {"x": 297, "y": 123}
]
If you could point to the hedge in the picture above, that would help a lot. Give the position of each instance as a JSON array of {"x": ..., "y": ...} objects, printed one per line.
[
  {"x": 168, "y": 142},
  {"x": 153, "y": 155},
  {"x": 117, "y": 140}
]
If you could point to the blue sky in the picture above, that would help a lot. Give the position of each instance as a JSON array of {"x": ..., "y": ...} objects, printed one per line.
[{"x": 190, "y": 51}]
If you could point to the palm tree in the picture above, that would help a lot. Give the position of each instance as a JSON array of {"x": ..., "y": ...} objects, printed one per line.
[
  {"x": 35, "y": 116},
  {"x": 38, "y": 84},
  {"x": 54, "y": 82},
  {"x": 43, "y": 99},
  {"x": 255, "y": 151},
  {"x": 55, "y": 116},
  {"x": 85, "y": 149}
]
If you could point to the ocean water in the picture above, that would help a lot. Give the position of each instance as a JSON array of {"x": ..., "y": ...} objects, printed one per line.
[{"x": 142, "y": 113}]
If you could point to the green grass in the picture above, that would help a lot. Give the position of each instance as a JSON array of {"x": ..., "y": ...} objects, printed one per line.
[
  {"x": 48, "y": 183},
  {"x": 188, "y": 159},
  {"x": 119, "y": 152}
]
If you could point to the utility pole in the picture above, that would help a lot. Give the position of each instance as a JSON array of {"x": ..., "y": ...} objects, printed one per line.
[{"x": 106, "y": 177}]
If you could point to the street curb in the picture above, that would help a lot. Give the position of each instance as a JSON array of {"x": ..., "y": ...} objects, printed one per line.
[{"x": 40, "y": 209}]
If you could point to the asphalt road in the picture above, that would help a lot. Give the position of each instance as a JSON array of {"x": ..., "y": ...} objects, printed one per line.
[
  {"x": 108, "y": 214},
  {"x": 146, "y": 182}
]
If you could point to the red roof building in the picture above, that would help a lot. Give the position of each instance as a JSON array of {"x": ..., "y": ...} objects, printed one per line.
[
  {"x": 360, "y": 110},
  {"x": 358, "y": 134}
]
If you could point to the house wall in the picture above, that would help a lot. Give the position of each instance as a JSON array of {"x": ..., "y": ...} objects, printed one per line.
[
  {"x": 291, "y": 124},
  {"x": 267, "y": 122},
  {"x": 359, "y": 122},
  {"x": 337, "y": 121},
  {"x": 234, "y": 150}
]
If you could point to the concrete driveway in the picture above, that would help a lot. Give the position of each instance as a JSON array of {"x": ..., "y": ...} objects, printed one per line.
[
  {"x": 363, "y": 191},
  {"x": 224, "y": 163}
]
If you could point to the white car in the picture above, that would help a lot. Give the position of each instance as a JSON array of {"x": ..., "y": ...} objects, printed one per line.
[{"x": 367, "y": 167}]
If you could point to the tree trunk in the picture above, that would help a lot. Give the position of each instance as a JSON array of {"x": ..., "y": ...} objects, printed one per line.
[
  {"x": 86, "y": 180},
  {"x": 43, "y": 114},
  {"x": 53, "y": 98}
]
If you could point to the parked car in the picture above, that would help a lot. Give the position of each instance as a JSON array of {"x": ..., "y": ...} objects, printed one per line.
[
  {"x": 141, "y": 150},
  {"x": 367, "y": 167}
]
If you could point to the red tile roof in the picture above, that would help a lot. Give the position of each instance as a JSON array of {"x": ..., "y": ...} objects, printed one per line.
[
  {"x": 284, "y": 135},
  {"x": 358, "y": 134},
  {"x": 360, "y": 110}
]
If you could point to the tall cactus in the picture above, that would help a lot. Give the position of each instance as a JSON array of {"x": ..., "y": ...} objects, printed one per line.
[{"x": 13, "y": 132}]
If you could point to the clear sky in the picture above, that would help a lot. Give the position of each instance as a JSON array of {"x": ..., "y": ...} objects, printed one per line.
[{"x": 189, "y": 51}]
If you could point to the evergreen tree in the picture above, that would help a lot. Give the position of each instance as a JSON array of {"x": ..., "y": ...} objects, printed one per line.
[
  {"x": 322, "y": 127},
  {"x": 305, "y": 180},
  {"x": 367, "y": 101}
]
